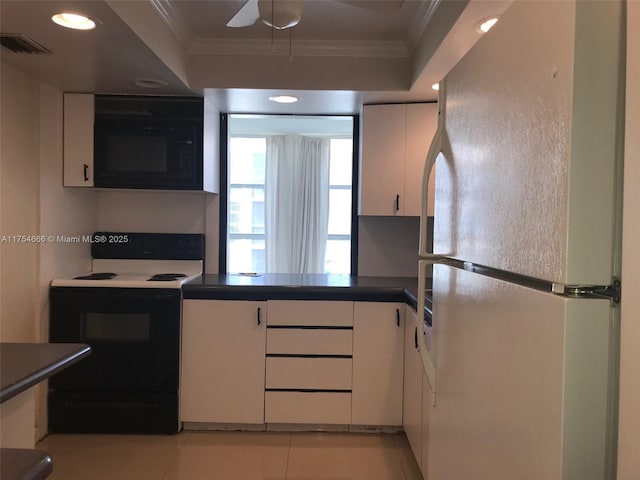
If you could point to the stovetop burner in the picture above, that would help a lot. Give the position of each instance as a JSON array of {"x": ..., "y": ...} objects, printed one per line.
[
  {"x": 146, "y": 261},
  {"x": 166, "y": 277},
  {"x": 96, "y": 276}
]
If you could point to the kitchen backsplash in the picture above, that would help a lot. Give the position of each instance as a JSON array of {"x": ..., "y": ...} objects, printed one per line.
[
  {"x": 169, "y": 212},
  {"x": 388, "y": 246}
]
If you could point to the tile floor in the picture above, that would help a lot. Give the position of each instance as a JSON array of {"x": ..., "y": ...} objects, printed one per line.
[{"x": 232, "y": 456}]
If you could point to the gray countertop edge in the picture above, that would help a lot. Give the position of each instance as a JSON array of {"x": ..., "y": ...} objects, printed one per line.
[
  {"x": 279, "y": 292},
  {"x": 363, "y": 289},
  {"x": 54, "y": 357},
  {"x": 24, "y": 464}
]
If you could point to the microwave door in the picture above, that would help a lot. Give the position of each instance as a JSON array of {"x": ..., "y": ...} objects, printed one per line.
[{"x": 138, "y": 155}]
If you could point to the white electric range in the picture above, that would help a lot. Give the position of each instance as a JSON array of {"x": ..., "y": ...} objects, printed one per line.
[
  {"x": 128, "y": 308},
  {"x": 134, "y": 273},
  {"x": 140, "y": 260}
]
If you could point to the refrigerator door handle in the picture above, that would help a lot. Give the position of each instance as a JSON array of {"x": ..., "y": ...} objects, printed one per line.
[
  {"x": 428, "y": 364},
  {"x": 435, "y": 149}
]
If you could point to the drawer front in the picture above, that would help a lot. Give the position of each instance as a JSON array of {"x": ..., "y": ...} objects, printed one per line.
[
  {"x": 308, "y": 407},
  {"x": 311, "y": 313},
  {"x": 309, "y": 373},
  {"x": 309, "y": 341}
]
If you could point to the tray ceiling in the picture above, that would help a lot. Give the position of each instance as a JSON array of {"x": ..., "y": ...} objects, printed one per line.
[{"x": 342, "y": 53}]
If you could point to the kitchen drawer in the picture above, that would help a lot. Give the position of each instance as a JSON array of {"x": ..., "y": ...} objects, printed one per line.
[
  {"x": 309, "y": 373},
  {"x": 308, "y": 407},
  {"x": 310, "y": 313},
  {"x": 310, "y": 341}
]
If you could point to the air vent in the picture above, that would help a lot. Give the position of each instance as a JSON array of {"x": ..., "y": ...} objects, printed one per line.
[{"x": 19, "y": 43}]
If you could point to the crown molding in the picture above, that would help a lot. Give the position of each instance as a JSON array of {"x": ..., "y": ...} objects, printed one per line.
[
  {"x": 299, "y": 48},
  {"x": 312, "y": 48},
  {"x": 421, "y": 21},
  {"x": 171, "y": 16}
]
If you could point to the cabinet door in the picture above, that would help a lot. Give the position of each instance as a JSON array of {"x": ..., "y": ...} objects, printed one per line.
[
  {"x": 78, "y": 118},
  {"x": 426, "y": 414},
  {"x": 412, "y": 401},
  {"x": 378, "y": 333},
  {"x": 223, "y": 361},
  {"x": 383, "y": 158},
  {"x": 422, "y": 121},
  {"x": 311, "y": 313}
]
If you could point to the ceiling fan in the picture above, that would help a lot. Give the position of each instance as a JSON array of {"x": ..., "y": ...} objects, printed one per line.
[{"x": 282, "y": 14}]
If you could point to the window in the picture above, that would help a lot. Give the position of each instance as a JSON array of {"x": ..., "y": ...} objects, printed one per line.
[
  {"x": 338, "y": 253},
  {"x": 245, "y": 243},
  {"x": 246, "y": 231}
]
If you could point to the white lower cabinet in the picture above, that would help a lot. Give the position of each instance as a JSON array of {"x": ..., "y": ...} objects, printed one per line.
[
  {"x": 426, "y": 415},
  {"x": 378, "y": 337},
  {"x": 306, "y": 362},
  {"x": 310, "y": 313},
  {"x": 223, "y": 361},
  {"x": 308, "y": 407},
  {"x": 413, "y": 388},
  {"x": 309, "y": 362},
  {"x": 308, "y": 373},
  {"x": 309, "y": 341}
]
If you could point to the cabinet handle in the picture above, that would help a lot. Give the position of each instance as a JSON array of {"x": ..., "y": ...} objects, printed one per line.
[
  {"x": 86, "y": 172},
  {"x": 397, "y": 203},
  {"x": 398, "y": 317},
  {"x": 259, "y": 321},
  {"x": 415, "y": 337}
]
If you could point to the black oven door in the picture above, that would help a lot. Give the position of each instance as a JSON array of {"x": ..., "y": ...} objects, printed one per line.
[
  {"x": 134, "y": 336},
  {"x": 129, "y": 383}
]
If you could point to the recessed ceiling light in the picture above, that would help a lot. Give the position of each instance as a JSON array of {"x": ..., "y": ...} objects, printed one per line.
[
  {"x": 74, "y": 20},
  {"x": 150, "y": 83},
  {"x": 436, "y": 86},
  {"x": 284, "y": 99},
  {"x": 484, "y": 25}
]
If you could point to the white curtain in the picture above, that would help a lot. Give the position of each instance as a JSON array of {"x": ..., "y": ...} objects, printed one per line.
[{"x": 296, "y": 203}]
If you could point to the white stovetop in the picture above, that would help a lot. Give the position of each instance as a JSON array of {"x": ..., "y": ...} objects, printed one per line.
[{"x": 134, "y": 274}]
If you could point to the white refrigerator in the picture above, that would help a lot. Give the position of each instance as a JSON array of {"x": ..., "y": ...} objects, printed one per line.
[{"x": 522, "y": 363}]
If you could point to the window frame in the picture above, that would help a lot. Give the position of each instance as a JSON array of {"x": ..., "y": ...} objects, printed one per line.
[{"x": 224, "y": 187}]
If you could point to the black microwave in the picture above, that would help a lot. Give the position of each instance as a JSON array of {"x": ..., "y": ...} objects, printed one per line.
[{"x": 148, "y": 142}]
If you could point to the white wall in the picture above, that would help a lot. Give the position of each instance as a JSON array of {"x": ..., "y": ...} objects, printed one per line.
[
  {"x": 170, "y": 212},
  {"x": 629, "y": 424},
  {"x": 20, "y": 195},
  {"x": 162, "y": 212},
  {"x": 62, "y": 211},
  {"x": 388, "y": 246},
  {"x": 18, "y": 261},
  {"x": 33, "y": 202}
]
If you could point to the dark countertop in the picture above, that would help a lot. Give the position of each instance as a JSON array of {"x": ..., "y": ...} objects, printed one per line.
[
  {"x": 22, "y": 365},
  {"x": 276, "y": 286},
  {"x": 24, "y": 464},
  {"x": 280, "y": 286}
]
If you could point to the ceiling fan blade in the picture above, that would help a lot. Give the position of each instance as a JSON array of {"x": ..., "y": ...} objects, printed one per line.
[
  {"x": 247, "y": 15},
  {"x": 380, "y": 6}
]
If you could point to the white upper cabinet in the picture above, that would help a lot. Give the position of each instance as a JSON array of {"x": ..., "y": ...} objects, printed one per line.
[
  {"x": 78, "y": 117},
  {"x": 422, "y": 121},
  {"x": 382, "y": 161},
  {"x": 107, "y": 142},
  {"x": 395, "y": 141}
]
